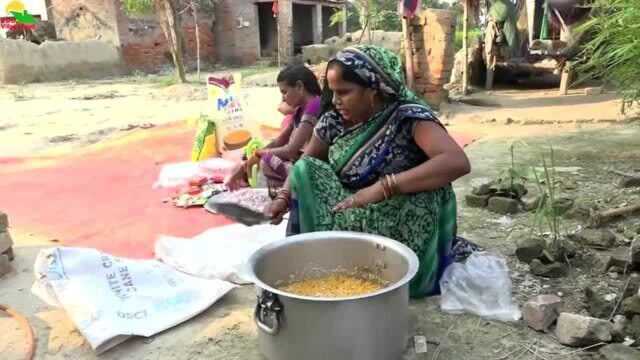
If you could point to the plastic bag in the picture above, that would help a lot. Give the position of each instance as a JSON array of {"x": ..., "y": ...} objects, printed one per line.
[
  {"x": 178, "y": 174},
  {"x": 219, "y": 253},
  {"x": 481, "y": 286},
  {"x": 110, "y": 299},
  {"x": 224, "y": 92},
  {"x": 205, "y": 145}
]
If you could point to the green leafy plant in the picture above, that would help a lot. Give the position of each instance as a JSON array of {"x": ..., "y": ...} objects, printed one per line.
[
  {"x": 137, "y": 7},
  {"x": 166, "y": 81},
  {"x": 474, "y": 33},
  {"x": 547, "y": 216},
  {"x": 512, "y": 180},
  {"x": 613, "y": 52}
]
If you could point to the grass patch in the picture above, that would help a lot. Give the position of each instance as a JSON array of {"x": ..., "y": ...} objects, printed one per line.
[
  {"x": 474, "y": 33},
  {"x": 257, "y": 70}
]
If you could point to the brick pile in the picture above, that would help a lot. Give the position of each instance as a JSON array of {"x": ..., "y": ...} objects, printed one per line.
[
  {"x": 6, "y": 250},
  {"x": 433, "y": 35}
]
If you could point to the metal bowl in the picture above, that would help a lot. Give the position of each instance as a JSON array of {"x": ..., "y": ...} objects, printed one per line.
[{"x": 372, "y": 326}]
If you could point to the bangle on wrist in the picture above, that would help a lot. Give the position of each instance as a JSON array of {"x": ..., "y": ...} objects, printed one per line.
[
  {"x": 384, "y": 188},
  {"x": 394, "y": 185}
]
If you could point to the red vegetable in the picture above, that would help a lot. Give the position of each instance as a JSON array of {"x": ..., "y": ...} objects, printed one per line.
[{"x": 199, "y": 181}]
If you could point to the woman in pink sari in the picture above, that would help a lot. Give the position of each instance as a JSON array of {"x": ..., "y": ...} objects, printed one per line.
[{"x": 301, "y": 92}]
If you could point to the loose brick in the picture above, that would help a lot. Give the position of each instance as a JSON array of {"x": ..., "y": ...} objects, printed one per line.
[
  {"x": 542, "y": 311},
  {"x": 576, "y": 330}
]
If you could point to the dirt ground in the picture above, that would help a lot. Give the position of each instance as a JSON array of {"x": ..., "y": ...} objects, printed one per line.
[{"x": 587, "y": 133}]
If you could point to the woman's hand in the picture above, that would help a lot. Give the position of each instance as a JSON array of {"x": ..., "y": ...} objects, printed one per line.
[
  {"x": 254, "y": 160},
  {"x": 369, "y": 195},
  {"x": 276, "y": 210},
  {"x": 238, "y": 177}
]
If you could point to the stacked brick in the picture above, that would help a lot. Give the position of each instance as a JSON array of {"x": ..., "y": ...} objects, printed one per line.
[
  {"x": 433, "y": 35},
  {"x": 6, "y": 250},
  {"x": 146, "y": 48}
]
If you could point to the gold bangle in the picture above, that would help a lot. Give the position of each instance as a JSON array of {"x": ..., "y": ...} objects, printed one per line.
[
  {"x": 387, "y": 185},
  {"x": 396, "y": 188},
  {"x": 388, "y": 179},
  {"x": 384, "y": 189}
]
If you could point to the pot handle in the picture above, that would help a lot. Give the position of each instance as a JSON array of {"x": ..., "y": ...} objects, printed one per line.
[{"x": 268, "y": 306}]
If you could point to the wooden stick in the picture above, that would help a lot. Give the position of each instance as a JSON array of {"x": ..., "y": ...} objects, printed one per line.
[
  {"x": 604, "y": 217},
  {"x": 583, "y": 349},
  {"x": 465, "y": 48},
  {"x": 408, "y": 52}
]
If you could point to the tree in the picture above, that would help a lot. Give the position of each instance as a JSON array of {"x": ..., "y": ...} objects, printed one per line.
[
  {"x": 166, "y": 11},
  {"x": 194, "y": 5}
]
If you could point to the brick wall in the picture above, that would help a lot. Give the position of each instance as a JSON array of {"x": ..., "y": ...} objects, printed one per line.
[
  {"x": 433, "y": 34},
  {"x": 141, "y": 41},
  {"x": 145, "y": 47},
  {"x": 237, "y": 38}
]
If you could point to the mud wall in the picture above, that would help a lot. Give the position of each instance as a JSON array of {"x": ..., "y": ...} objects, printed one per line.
[
  {"x": 78, "y": 20},
  {"x": 25, "y": 62}
]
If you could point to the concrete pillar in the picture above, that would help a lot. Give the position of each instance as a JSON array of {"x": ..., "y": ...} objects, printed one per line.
[
  {"x": 285, "y": 31},
  {"x": 343, "y": 26},
  {"x": 317, "y": 25}
]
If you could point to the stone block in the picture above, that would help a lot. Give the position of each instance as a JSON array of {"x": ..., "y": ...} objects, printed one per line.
[
  {"x": 619, "y": 325},
  {"x": 635, "y": 253},
  {"x": 631, "y": 306},
  {"x": 618, "y": 352},
  {"x": 634, "y": 286},
  {"x": 620, "y": 257},
  {"x": 633, "y": 328},
  {"x": 481, "y": 186},
  {"x": 504, "y": 206},
  {"x": 5, "y": 241},
  {"x": 529, "y": 248},
  {"x": 598, "y": 238},
  {"x": 577, "y": 330},
  {"x": 602, "y": 262},
  {"x": 316, "y": 54},
  {"x": 542, "y": 311},
  {"x": 629, "y": 182},
  {"x": 477, "y": 201},
  {"x": 532, "y": 200},
  {"x": 553, "y": 270},
  {"x": 599, "y": 305},
  {"x": 591, "y": 91},
  {"x": 5, "y": 265}
]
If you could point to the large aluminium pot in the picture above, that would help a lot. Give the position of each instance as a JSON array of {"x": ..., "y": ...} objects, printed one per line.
[{"x": 369, "y": 327}]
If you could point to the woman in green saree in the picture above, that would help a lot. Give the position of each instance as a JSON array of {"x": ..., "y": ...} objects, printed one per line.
[{"x": 379, "y": 162}]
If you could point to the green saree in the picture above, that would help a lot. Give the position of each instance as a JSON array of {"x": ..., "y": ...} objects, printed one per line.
[{"x": 358, "y": 157}]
